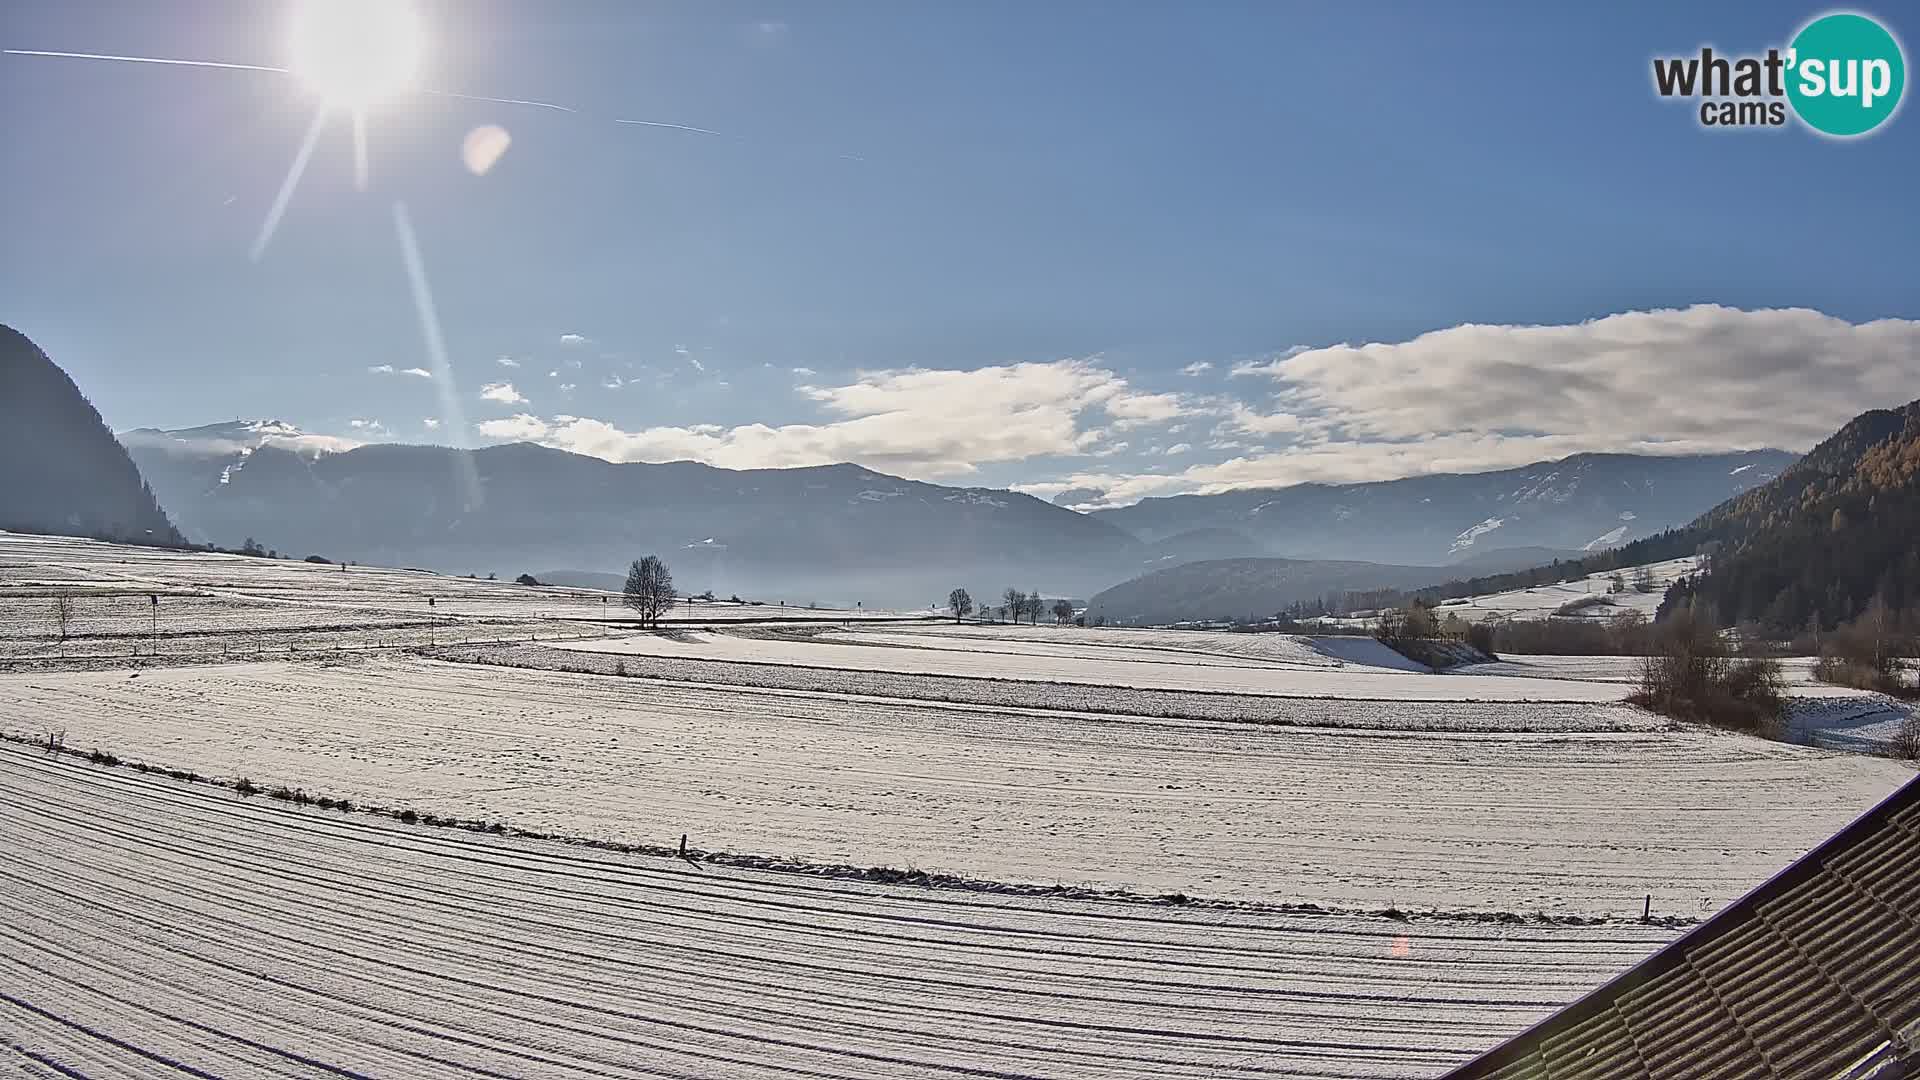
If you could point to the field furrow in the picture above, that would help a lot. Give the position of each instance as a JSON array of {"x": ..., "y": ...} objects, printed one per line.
[{"x": 150, "y": 926}]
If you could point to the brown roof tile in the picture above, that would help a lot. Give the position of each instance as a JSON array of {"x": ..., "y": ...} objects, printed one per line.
[{"x": 1816, "y": 973}]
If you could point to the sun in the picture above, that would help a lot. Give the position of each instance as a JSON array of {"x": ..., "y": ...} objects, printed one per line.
[{"x": 355, "y": 53}]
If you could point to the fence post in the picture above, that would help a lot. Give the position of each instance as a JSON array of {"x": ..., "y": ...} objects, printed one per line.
[{"x": 1646, "y": 913}]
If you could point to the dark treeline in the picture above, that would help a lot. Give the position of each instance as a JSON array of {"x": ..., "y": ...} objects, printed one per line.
[{"x": 1841, "y": 535}]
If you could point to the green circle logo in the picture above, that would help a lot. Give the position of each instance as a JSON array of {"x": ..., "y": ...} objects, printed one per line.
[{"x": 1845, "y": 74}]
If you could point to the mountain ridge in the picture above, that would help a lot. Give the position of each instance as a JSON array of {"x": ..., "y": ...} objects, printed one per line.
[
  {"x": 61, "y": 469},
  {"x": 838, "y": 531},
  {"x": 1582, "y": 501}
]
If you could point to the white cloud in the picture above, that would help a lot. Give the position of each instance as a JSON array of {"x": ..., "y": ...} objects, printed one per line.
[
  {"x": 1178, "y": 448},
  {"x": 573, "y": 339},
  {"x": 613, "y": 382},
  {"x": 1130, "y": 408},
  {"x": 418, "y": 373},
  {"x": 803, "y": 372},
  {"x": 502, "y": 392},
  {"x": 914, "y": 421},
  {"x": 520, "y": 427},
  {"x": 367, "y": 427},
  {"x": 1247, "y": 421},
  {"x": 566, "y": 388},
  {"x": 1198, "y": 367},
  {"x": 507, "y": 361},
  {"x": 1470, "y": 398},
  {"x": 380, "y": 369},
  {"x": 1703, "y": 378},
  {"x": 431, "y": 423}
]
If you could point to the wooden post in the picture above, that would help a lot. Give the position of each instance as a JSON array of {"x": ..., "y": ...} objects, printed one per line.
[
  {"x": 1646, "y": 914},
  {"x": 683, "y": 845}
]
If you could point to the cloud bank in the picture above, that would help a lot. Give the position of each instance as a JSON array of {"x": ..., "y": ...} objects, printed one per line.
[{"x": 1467, "y": 398}]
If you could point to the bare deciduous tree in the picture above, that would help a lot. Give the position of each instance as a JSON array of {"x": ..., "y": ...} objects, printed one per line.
[
  {"x": 649, "y": 589},
  {"x": 1062, "y": 611},
  {"x": 1016, "y": 604},
  {"x": 1034, "y": 606},
  {"x": 960, "y": 604},
  {"x": 62, "y": 614}
]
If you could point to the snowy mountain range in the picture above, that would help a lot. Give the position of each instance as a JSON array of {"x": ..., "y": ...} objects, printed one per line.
[
  {"x": 1587, "y": 502},
  {"x": 842, "y": 532},
  {"x": 835, "y": 533}
]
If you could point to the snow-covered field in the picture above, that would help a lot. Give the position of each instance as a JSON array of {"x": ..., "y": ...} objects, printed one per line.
[
  {"x": 128, "y": 601},
  {"x": 1544, "y": 600},
  {"x": 151, "y": 927},
  {"x": 147, "y": 924},
  {"x": 36, "y": 567},
  {"x": 1560, "y": 821},
  {"x": 871, "y": 650}
]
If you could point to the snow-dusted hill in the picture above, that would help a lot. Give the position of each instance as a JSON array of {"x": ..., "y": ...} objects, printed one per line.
[
  {"x": 1582, "y": 503},
  {"x": 834, "y": 533}
]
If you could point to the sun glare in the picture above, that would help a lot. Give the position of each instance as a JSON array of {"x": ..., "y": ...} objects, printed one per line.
[{"x": 354, "y": 53}]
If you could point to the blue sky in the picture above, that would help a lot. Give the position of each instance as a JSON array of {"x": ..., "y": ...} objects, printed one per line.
[{"x": 984, "y": 243}]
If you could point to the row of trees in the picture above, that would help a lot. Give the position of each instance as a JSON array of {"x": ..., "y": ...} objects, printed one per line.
[{"x": 1015, "y": 605}]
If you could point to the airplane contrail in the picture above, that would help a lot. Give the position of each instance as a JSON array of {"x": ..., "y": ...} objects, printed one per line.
[
  {"x": 503, "y": 100},
  {"x": 283, "y": 71},
  {"x": 143, "y": 60},
  {"x": 676, "y": 127}
]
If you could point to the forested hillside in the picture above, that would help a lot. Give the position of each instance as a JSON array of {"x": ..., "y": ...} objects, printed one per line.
[
  {"x": 61, "y": 470},
  {"x": 1832, "y": 533},
  {"x": 1809, "y": 549}
]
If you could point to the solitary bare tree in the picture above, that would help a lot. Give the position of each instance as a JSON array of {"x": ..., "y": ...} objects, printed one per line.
[
  {"x": 960, "y": 604},
  {"x": 62, "y": 614},
  {"x": 1016, "y": 604},
  {"x": 1034, "y": 606},
  {"x": 649, "y": 589}
]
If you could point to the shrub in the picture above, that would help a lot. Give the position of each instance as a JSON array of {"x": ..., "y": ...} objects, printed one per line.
[
  {"x": 526, "y": 579},
  {"x": 321, "y": 560},
  {"x": 620, "y": 668},
  {"x": 1690, "y": 677},
  {"x": 1480, "y": 636},
  {"x": 100, "y": 758},
  {"x": 246, "y": 787},
  {"x": 1906, "y": 740},
  {"x": 1580, "y": 604},
  {"x": 409, "y": 817},
  {"x": 1865, "y": 654}
]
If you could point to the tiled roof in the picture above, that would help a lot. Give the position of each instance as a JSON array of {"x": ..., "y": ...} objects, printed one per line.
[{"x": 1816, "y": 973}]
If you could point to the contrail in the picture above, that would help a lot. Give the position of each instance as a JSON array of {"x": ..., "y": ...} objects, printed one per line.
[
  {"x": 143, "y": 60},
  {"x": 360, "y": 161},
  {"x": 286, "y": 186},
  {"x": 503, "y": 100},
  {"x": 676, "y": 127}
]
